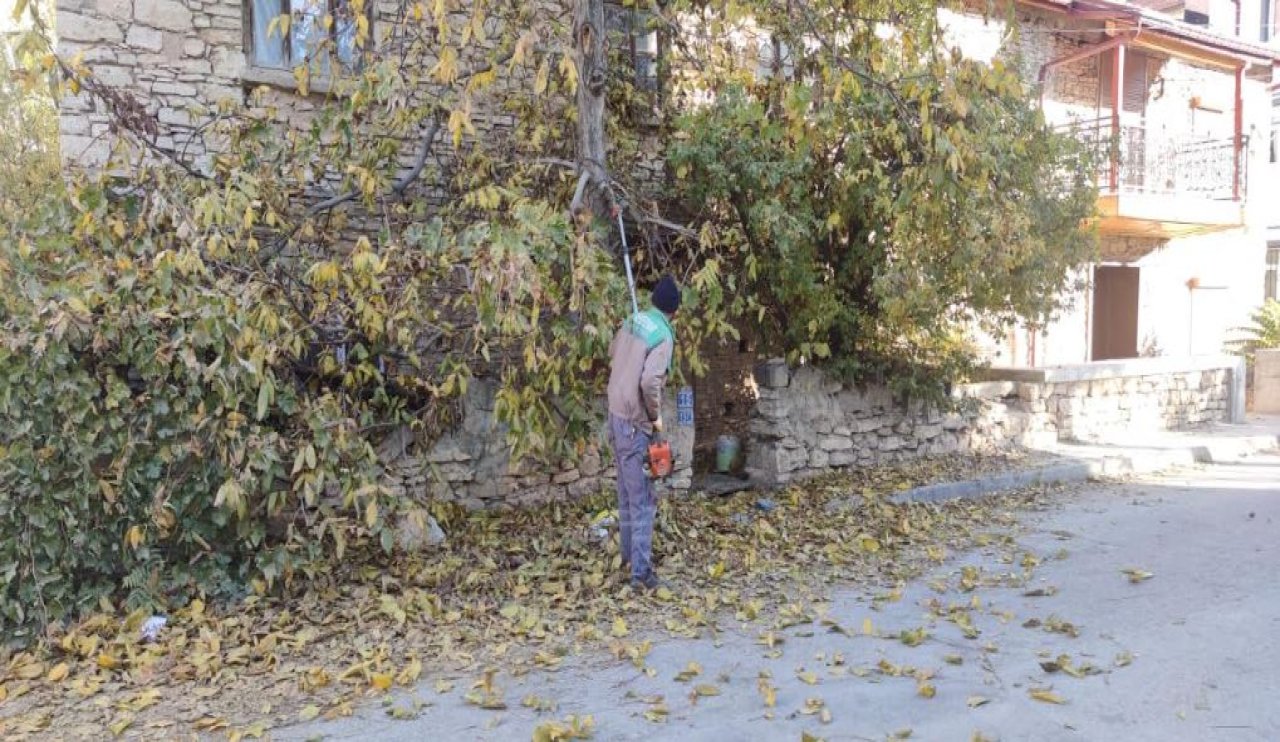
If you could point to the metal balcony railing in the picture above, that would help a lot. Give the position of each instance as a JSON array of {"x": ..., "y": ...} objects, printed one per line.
[{"x": 1142, "y": 161}]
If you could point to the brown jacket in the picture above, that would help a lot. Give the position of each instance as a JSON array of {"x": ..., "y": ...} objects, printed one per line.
[{"x": 640, "y": 358}]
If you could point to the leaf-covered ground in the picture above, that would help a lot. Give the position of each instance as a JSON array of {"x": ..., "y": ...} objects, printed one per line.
[{"x": 510, "y": 592}]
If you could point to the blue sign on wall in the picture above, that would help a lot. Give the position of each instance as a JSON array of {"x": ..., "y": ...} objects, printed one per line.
[{"x": 684, "y": 407}]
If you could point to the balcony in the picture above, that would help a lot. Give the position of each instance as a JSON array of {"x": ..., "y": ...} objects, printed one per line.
[{"x": 1153, "y": 186}]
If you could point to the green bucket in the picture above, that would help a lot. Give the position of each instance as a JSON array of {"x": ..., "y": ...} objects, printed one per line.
[{"x": 726, "y": 453}]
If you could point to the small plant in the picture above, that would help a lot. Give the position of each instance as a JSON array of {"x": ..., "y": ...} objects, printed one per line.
[{"x": 1262, "y": 332}]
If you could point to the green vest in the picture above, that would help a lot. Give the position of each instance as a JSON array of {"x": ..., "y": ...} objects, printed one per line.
[{"x": 652, "y": 327}]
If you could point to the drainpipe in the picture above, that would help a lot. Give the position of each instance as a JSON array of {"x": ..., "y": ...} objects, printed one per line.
[{"x": 1238, "y": 139}]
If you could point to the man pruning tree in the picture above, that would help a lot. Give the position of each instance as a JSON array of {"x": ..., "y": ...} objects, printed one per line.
[{"x": 641, "y": 356}]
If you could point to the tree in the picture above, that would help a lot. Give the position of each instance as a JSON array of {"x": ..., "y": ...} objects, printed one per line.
[
  {"x": 204, "y": 353},
  {"x": 29, "y": 166},
  {"x": 877, "y": 194}
]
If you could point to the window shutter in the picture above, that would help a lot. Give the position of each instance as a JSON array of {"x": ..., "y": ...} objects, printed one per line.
[{"x": 1135, "y": 82}]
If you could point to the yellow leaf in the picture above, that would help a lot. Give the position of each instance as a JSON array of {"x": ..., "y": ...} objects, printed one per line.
[
  {"x": 1046, "y": 696},
  {"x": 371, "y": 514},
  {"x": 134, "y": 537},
  {"x": 691, "y": 671},
  {"x": 410, "y": 673},
  {"x": 619, "y": 627},
  {"x": 58, "y": 673},
  {"x": 926, "y": 690},
  {"x": 30, "y": 670},
  {"x": 807, "y": 678},
  {"x": 108, "y": 662},
  {"x": 381, "y": 680},
  {"x": 117, "y": 727},
  {"x": 540, "y": 79},
  {"x": 706, "y": 689},
  {"x": 570, "y": 72},
  {"x": 976, "y": 701},
  {"x": 868, "y": 628},
  {"x": 308, "y": 713},
  {"x": 768, "y": 692},
  {"x": 210, "y": 724},
  {"x": 1137, "y": 575}
]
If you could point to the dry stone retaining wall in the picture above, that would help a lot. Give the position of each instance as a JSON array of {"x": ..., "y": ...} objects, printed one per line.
[
  {"x": 472, "y": 464},
  {"x": 807, "y": 423}
]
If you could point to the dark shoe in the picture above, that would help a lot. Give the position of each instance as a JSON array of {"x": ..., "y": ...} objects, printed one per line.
[{"x": 648, "y": 584}]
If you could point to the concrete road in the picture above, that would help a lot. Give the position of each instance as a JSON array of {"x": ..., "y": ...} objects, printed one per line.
[{"x": 1192, "y": 653}]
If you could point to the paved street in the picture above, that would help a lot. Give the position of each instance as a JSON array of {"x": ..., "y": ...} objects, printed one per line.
[{"x": 1188, "y": 654}]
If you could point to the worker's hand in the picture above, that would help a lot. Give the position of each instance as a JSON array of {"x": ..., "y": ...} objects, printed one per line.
[{"x": 657, "y": 424}]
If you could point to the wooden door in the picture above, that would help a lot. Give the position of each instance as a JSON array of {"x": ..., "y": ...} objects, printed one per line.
[{"x": 1115, "y": 312}]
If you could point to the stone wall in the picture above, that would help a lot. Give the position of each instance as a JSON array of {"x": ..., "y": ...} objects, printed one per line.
[
  {"x": 472, "y": 465},
  {"x": 807, "y": 423}
]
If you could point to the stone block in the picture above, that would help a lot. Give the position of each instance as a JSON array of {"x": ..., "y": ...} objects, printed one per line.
[
  {"x": 193, "y": 47},
  {"x": 818, "y": 459},
  {"x": 566, "y": 477},
  {"x": 453, "y": 472},
  {"x": 230, "y": 64},
  {"x": 173, "y": 117},
  {"x": 113, "y": 75},
  {"x": 180, "y": 89},
  {"x": 774, "y": 409},
  {"x": 928, "y": 432},
  {"x": 584, "y": 487},
  {"x": 114, "y": 9},
  {"x": 169, "y": 15},
  {"x": 417, "y": 530},
  {"x": 447, "y": 450},
  {"x": 142, "y": 37},
  {"x": 842, "y": 458},
  {"x": 866, "y": 425},
  {"x": 87, "y": 29},
  {"x": 807, "y": 380},
  {"x": 773, "y": 374},
  {"x": 834, "y": 443}
]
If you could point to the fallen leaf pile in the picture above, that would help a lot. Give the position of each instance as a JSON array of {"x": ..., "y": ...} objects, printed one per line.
[{"x": 509, "y": 593}]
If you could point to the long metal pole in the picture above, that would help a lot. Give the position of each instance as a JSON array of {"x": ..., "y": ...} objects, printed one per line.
[{"x": 626, "y": 260}]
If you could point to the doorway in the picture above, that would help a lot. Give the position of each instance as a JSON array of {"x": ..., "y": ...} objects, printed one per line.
[{"x": 1115, "y": 312}]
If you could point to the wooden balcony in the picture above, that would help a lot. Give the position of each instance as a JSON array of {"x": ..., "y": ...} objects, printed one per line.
[{"x": 1152, "y": 186}]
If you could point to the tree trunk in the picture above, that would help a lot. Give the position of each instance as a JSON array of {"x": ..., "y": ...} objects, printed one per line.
[{"x": 591, "y": 201}]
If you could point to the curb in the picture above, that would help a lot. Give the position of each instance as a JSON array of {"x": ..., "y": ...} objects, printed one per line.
[{"x": 1075, "y": 471}]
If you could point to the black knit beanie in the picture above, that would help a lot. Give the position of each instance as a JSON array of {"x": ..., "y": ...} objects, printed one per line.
[{"x": 666, "y": 295}]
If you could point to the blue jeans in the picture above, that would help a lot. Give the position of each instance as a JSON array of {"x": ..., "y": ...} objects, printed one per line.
[{"x": 636, "y": 502}]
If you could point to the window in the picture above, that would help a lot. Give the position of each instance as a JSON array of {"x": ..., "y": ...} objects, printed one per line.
[
  {"x": 1273, "y": 268},
  {"x": 1264, "y": 21},
  {"x": 317, "y": 29},
  {"x": 1137, "y": 81}
]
